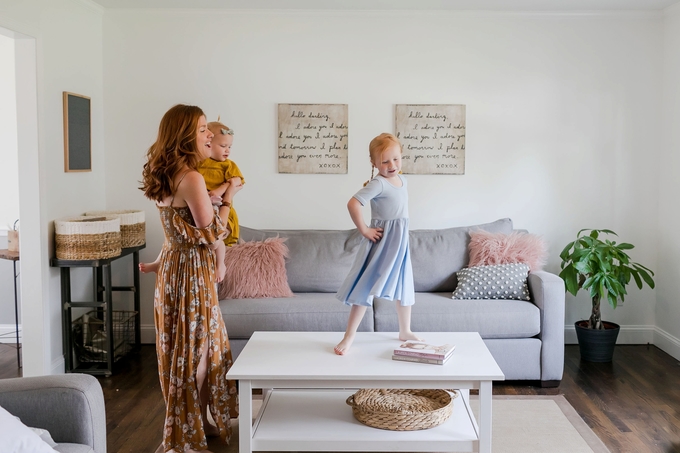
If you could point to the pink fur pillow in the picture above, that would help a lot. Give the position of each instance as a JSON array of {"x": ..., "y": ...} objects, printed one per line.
[
  {"x": 255, "y": 269},
  {"x": 498, "y": 248}
]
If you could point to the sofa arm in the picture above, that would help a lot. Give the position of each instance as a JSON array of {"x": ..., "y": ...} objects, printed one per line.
[
  {"x": 547, "y": 292},
  {"x": 69, "y": 406}
]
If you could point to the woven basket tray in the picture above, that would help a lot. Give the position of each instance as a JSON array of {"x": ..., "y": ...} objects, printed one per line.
[
  {"x": 402, "y": 409},
  {"x": 87, "y": 238},
  {"x": 132, "y": 226}
]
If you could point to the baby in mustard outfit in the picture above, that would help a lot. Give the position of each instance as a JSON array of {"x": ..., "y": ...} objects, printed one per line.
[{"x": 219, "y": 172}]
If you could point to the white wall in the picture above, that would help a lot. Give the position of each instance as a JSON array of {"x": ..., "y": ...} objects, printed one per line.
[
  {"x": 563, "y": 116},
  {"x": 668, "y": 306},
  {"x": 66, "y": 38}
]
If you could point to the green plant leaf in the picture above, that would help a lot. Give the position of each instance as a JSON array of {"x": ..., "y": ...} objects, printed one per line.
[
  {"x": 564, "y": 256},
  {"x": 612, "y": 300},
  {"x": 570, "y": 277},
  {"x": 608, "y": 232},
  {"x": 626, "y": 246},
  {"x": 637, "y": 279},
  {"x": 645, "y": 276},
  {"x": 589, "y": 282}
]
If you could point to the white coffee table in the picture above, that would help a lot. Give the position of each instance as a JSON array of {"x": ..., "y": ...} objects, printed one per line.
[{"x": 305, "y": 387}]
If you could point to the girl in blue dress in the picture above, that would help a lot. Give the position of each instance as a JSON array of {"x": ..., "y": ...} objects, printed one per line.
[{"x": 382, "y": 267}]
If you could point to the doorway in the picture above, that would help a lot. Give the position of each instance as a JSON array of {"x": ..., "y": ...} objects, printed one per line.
[{"x": 33, "y": 253}]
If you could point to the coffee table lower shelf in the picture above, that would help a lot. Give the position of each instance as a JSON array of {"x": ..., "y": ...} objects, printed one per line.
[{"x": 320, "y": 420}]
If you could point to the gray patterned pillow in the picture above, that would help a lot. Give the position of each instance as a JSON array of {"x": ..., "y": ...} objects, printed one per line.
[{"x": 499, "y": 281}]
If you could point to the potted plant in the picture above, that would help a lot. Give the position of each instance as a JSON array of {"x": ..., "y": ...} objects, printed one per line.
[{"x": 604, "y": 269}]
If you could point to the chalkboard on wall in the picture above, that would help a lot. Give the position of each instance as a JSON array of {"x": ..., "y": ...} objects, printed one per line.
[{"x": 77, "y": 133}]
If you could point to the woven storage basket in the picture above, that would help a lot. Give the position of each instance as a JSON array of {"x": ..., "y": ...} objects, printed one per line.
[
  {"x": 402, "y": 409},
  {"x": 87, "y": 237},
  {"x": 132, "y": 226}
]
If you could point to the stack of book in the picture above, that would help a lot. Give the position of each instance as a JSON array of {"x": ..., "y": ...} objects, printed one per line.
[{"x": 417, "y": 351}]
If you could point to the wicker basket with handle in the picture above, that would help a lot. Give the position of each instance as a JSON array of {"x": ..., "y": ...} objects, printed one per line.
[
  {"x": 132, "y": 226},
  {"x": 402, "y": 409},
  {"x": 87, "y": 238}
]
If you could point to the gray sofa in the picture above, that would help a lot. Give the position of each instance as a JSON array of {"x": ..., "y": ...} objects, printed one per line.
[
  {"x": 525, "y": 338},
  {"x": 69, "y": 406}
]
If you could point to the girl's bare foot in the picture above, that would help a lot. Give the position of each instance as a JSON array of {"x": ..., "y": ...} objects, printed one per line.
[
  {"x": 343, "y": 347},
  {"x": 403, "y": 336},
  {"x": 145, "y": 268}
]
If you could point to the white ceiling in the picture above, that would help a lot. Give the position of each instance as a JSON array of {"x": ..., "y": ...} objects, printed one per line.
[{"x": 349, "y": 5}]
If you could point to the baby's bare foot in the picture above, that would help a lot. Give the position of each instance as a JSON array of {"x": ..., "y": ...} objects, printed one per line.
[
  {"x": 221, "y": 270},
  {"x": 343, "y": 347},
  {"x": 403, "y": 336},
  {"x": 145, "y": 268}
]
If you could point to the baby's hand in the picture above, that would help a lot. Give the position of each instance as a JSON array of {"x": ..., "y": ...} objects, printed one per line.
[{"x": 373, "y": 234}]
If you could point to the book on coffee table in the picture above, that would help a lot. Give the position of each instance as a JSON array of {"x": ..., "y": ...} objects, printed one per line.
[
  {"x": 408, "y": 358},
  {"x": 424, "y": 350}
]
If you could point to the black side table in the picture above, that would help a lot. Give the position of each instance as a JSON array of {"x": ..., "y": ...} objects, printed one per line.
[
  {"x": 6, "y": 254},
  {"x": 102, "y": 292}
]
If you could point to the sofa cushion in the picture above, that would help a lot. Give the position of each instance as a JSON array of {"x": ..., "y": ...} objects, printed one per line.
[
  {"x": 437, "y": 312},
  {"x": 517, "y": 247},
  {"x": 436, "y": 255},
  {"x": 499, "y": 281},
  {"x": 319, "y": 260},
  {"x": 255, "y": 269},
  {"x": 305, "y": 312}
]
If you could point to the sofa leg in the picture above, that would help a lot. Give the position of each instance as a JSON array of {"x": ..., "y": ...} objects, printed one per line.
[{"x": 550, "y": 384}]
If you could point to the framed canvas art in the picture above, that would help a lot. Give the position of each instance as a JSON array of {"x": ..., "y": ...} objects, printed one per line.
[
  {"x": 432, "y": 137},
  {"x": 312, "y": 138}
]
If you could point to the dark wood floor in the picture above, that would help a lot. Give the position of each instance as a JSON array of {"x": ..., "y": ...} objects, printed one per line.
[{"x": 632, "y": 403}]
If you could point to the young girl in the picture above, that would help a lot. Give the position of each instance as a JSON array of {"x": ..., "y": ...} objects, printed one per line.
[
  {"x": 192, "y": 345},
  {"x": 219, "y": 173},
  {"x": 382, "y": 267}
]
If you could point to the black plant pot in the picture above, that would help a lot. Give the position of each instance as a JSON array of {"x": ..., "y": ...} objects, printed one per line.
[{"x": 597, "y": 345}]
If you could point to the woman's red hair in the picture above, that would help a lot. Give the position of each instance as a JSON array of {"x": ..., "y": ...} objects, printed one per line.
[{"x": 174, "y": 149}]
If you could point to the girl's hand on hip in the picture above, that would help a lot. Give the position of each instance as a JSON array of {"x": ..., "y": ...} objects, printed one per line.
[{"x": 373, "y": 234}]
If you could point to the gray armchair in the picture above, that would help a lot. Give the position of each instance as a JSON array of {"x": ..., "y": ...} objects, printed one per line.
[{"x": 69, "y": 406}]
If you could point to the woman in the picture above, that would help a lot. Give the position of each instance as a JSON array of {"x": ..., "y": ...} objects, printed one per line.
[{"x": 191, "y": 341}]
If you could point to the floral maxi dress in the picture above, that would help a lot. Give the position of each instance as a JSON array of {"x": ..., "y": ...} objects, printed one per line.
[{"x": 188, "y": 320}]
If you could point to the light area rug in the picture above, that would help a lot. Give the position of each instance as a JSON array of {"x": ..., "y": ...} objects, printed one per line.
[{"x": 521, "y": 424}]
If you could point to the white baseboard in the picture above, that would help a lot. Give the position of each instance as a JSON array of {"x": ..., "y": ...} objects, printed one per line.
[
  {"x": 632, "y": 334},
  {"x": 667, "y": 343},
  {"x": 7, "y": 333},
  {"x": 148, "y": 333}
]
